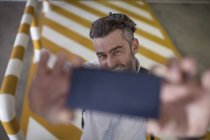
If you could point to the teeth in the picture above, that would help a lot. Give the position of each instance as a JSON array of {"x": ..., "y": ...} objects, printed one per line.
[{"x": 119, "y": 69}]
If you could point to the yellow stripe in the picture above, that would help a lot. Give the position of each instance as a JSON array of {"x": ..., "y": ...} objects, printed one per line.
[
  {"x": 135, "y": 4},
  {"x": 167, "y": 39},
  {"x": 37, "y": 44},
  {"x": 153, "y": 55},
  {"x": 87, "y": 43},
  {"x": 9, "y": 84},
  {"x": 86, "y": 8},
  {"x": 18, "y": 52},
  {"x": 70, "y": 34},
  {"x": 207, "y": 137},
  {"x": 138, "y": 31},
  {"x": 12, "y": 127},
  {"x": 24, "y": 28},
  {"x": 52, "y": 47},
  {"x": 34, "y": 22},
  {"x": 60, "y": 131},
  {"x": 118, "y": 8},
  {"x": 71, "y": 16},
  {"x": 148, "y": 137},
  {"x": 29, "y": 10},
  {"x": 164, "y": 43}
]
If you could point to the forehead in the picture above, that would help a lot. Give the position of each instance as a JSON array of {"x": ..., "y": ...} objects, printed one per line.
[{"x": 110, "y": 41}]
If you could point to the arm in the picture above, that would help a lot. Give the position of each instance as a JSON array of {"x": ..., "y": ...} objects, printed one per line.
[
  {"x": 48, "y": 90},
  {"x": 185, "y": 102}
]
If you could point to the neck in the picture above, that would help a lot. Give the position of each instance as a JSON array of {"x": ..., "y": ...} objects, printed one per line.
[{"x": 135, "y": 65}]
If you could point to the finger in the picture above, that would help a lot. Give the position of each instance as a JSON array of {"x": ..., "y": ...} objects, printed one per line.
[
  {"x": 77, "y": 62},
  {"x": 153, "y": 127},
  {"x": 178, "y": 93},
  {"x": 59, "y": 116},
  {"x": 74, "y": 63},
  {"x": 160, "y": 71},
  {"x": 59, "y": 64},
  {"x": 174, "y": 73},
  {"x": 42, "y": 66},
  {"x": 206, "y": 80},
  {"x": 189, "y": 67},
  {"x": 65, "y": 116},
  {"x": 67, "y": 69}
]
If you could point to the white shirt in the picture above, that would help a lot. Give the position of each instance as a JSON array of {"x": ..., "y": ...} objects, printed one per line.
[{"x": 106, "y": 126}]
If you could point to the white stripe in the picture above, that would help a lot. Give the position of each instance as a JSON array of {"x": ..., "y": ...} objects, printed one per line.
[
  {"x": 7, "y": 107},
  {"x": 31, "y": 3},
  {"x": 155, "y": 47},
  {"x": 51, "y": 61},
  {"x": 46, "y": 6},
  {"x": 26, "y": 18},
  {"x": 77, "y": 11},
  {"x": 70, "y": 24},
  {"x": 37, "y": 55},
  {"x": 35, "y": 34},
  {"x": 140, "y": 25},
  {"x": 68, "y": 44},
  {"x": 21, "y": 39},
  {"x": 18, "y": 136},
  {"x": 149, "y": 44},
  {"x": 146, "y": 62},
  {"x": 14, "y": 67},
  {"x": 140, "y": 2},
  {"x": 133, "y": 9},
  {"x": 149, "y": 29},
  {"x": 36, "y": 131},
  {"x": 78, "y": 117}
]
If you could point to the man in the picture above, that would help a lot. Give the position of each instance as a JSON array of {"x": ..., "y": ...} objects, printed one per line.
[{"x": 115, "y": 47}]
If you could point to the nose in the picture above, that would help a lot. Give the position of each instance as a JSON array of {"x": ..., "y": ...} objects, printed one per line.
[{"x": 111, "y": 62}]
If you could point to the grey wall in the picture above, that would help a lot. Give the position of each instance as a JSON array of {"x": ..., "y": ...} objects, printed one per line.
[{"x": 188, "y": 26}]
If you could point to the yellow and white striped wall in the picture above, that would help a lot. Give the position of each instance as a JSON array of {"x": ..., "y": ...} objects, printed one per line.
[{"x": 70, "y": 21}]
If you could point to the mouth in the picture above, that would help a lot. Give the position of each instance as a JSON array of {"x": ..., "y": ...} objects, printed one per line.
[{"x": 119, "y": 69}]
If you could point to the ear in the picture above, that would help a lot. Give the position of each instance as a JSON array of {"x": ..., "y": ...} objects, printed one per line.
[{"x": 135, "y": 45}]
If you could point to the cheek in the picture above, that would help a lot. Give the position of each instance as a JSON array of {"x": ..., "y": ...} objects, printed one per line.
[
  {"x": 123, "y": 59},
  {"x": 103, "y": 64}
]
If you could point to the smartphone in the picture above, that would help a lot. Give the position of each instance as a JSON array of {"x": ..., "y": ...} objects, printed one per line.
[{"x": 125, "y": 93}]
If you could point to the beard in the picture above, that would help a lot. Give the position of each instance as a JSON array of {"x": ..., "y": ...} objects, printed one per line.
[
  {"x": 128, "y": 67},
  {"x": 120, "y": 68}
]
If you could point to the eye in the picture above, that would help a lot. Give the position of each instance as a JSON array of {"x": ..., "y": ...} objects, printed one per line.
[
  {"x": 101, "y": 57},
  {"x": 116, "y": 52}
]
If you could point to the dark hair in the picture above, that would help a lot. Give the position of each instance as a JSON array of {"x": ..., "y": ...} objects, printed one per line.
[{"x": 103, "y": 26}]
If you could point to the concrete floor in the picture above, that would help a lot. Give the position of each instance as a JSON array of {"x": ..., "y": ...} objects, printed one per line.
[{"x": 186, "y": 24}]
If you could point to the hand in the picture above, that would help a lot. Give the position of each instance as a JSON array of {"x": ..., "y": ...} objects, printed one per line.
[
  {"x": 49, "y": 89},
  {"x": 185, "y": 103}
]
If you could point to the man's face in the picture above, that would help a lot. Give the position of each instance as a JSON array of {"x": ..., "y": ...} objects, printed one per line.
[{"x": 115, "y": 53}]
